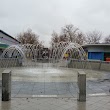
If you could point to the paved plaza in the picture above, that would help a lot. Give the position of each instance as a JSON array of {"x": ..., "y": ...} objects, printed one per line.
[
  {"x": 51, "y": 88},
  {"x": 92, "y": 103},
  {"x": 60, "y": 82}
]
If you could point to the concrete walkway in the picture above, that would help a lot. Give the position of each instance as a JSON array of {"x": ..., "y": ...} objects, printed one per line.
[
  {"x": 33, "y": 86},
  {"x": 60, "y": 82},
  {"x": 56, "y": 81},
  {"x": 92, "y": 103}
]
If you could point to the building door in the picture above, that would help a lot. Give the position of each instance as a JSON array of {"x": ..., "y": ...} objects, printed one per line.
[{"x": 106, "y": 55}]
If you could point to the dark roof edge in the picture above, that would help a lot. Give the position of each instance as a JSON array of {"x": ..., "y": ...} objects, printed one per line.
[
  {"x": 8, "y": 35},
  {"x": 101, "y": 44}
]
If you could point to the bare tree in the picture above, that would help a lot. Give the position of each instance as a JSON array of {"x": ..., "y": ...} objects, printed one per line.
[
  {"x": 80, "y": 38},
  {"x": 93, "y": 37},
  {"x": 107, "y": 39},
  {"x": 28, "y": 37},
  {"x": 73, "y": 34},
  {"x": 63, "y": 38},
  {"x": 70, "y": 32},
  {"x": 55, "y": 37}
]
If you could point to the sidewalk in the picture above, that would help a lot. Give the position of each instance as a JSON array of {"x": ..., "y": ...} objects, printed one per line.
[{"x": 92, "y": 103}]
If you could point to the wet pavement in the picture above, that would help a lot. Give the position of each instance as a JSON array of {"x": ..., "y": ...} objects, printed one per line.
[
  {"x": 49, "y": 88},
  {"x": 56, "y": 89},
  {"x": 56, "y": 82},
  {"x": 92, "y": 103}
]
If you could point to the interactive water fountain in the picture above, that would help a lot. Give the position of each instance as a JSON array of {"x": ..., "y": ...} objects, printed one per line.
[
  {"x": 38, "y": 71},
  {"x": 59, "y": 54},
  {"x": 66, "y": 51}
]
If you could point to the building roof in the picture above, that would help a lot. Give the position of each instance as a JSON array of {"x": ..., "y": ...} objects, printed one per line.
[
  {"x": 9, "y": 35},
  {"x": 94, "y": 45},
  {"x": 3, "y": 46}
]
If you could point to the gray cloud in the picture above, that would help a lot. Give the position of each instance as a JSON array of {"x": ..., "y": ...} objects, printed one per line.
[{"x": 44, "y": 16}]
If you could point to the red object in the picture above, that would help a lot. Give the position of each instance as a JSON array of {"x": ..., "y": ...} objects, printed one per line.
[{"x": 107, "y": 59}]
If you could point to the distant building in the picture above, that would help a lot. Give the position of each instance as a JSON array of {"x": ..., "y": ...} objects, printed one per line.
[
  {"x": 97, "y": 51},
  {"x": 6, "y": 40}
]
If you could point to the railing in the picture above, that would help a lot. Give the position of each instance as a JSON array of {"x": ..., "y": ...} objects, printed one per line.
[
  {"x": 18, "y": 62},
  {"x": 89, "y": 64},
  {"x": 10, "y": 62},
  {"x": 71, "y": 63}
]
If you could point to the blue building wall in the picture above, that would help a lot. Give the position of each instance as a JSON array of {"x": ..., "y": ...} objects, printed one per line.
[
  {"x": 96, "y": 55},
  {"x": 97, "y": 51}
]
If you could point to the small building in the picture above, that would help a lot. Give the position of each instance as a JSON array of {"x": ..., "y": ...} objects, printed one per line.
[
  {"x": 6, "y": 40},
  {"x": 2, "y": 47},
  {"x": 97, "y": 51}
]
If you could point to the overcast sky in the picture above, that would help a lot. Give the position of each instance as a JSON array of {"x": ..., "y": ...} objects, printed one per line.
[{"x": 44, "y": 16}]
